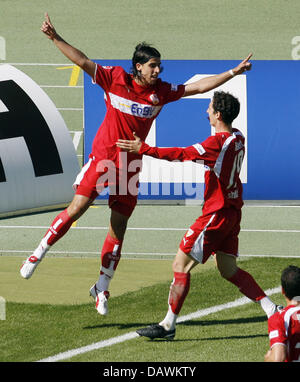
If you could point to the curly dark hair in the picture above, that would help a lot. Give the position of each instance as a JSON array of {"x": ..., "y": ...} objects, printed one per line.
[
  {"x": 227, "y": 105},
  {"x": 290, "y": 281},
  {"x": 142, "y": 54}
]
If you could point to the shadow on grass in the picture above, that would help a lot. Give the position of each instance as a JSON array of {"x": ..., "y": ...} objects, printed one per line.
[
  {"x": 212, "y": 338},
  {"x": 245, "y": 320},
  {"x": 134, "y": 325}
]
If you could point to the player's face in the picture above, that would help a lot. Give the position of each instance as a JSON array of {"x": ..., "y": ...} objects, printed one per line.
[
  {"x": 211, "y": 114},
  {"x": 149, "y": 71}
]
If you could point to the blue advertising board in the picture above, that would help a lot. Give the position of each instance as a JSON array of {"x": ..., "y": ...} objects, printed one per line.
[{"x": 269, "y": 118}]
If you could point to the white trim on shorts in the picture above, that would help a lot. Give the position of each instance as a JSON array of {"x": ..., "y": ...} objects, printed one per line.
[
  {"x": 197, "y": 250},
  {"x": 81, "y": 174}
]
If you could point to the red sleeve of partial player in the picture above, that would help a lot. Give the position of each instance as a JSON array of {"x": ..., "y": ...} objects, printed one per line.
[
  {"x": 276, "y": 330},
  {"x": 171, "y": 153}
]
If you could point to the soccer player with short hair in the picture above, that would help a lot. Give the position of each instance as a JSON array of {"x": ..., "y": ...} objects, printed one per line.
[
  {"x": 284, "y": 326},
  {"x": 216, "y": 231},
  {"x": 133, "y": 101}
]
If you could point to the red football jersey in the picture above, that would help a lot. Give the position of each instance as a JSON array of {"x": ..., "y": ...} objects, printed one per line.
[
  {"x": 130, "y": 107},
  {"x": 222, "y": 154},
  {"x": 284, "y": 328}
]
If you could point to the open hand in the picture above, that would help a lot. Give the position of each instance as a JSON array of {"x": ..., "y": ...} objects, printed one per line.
[{"x": 130, "y": 146}]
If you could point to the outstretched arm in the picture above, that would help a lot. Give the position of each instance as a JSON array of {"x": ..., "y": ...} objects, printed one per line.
[
  {"x": 136, "y": 146},
  {"x": 73, "y": 54},
  {"x": 208, "y": 83}
]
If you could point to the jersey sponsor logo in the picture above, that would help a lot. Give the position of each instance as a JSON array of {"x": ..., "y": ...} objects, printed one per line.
[
  {"x": 133, "y": 108},
  {"x": 141, "y": 111}
]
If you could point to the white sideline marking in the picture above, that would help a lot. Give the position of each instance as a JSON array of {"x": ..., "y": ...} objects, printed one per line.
[
  {"x": 70, "y": 108},
  {"x": 148, "y": 228},
  {"x": 62, "y": 86},
  {"x": 131, "y": 335},
  {"x": 38, "y": 64},
  {"x": 84, "y": 254}
]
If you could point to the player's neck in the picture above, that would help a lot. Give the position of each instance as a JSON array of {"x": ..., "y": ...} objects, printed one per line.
[
  {"x": 223, "y": 128},
  {"x": 294, "y": 302},
  {"x": 141, "y": 82}
]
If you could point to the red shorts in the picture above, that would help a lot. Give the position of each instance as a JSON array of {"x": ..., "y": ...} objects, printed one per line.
[
  {"x": 212, "y": 233},
  {"x": 91, "y": 182}
]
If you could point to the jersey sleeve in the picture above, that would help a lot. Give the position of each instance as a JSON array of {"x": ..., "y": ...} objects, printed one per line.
[
  {"x": 172, "y": 92},
  {"x": 104, "y": 76},
  {"x": 190, "y": 153},
  {"x": 276, "y": 330}
]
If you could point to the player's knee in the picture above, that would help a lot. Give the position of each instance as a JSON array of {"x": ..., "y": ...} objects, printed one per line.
[
  {"x": 76, "y": 209},
  {"x": 177, "y": 266},
  {"x": 226, "y": 273},
  {"x": 223, "y": 273},
  {"x": 226, "y": 265},
  {"x": 118, "y": 229},
  {"x": 180, "y": 267}
]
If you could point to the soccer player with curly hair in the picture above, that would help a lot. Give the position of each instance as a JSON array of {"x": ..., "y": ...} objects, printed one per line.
[{"x": 216, "y": 231}]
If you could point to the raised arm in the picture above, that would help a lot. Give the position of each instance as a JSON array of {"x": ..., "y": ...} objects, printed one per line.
[
  {"x": 73, "y": 54},
  {"x": 208, "y": 83}
]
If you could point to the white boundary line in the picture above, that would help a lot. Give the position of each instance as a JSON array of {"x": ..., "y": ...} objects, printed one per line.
[
  {"x": 270, "y": 205},
  {"x": 70, "y": 108},
  {"x": 146, "y": 229},
  {"x": 62, "y": 86},
  {"x": 131, "y": 335},
  {"x": 52, "y": 254},
  {"x": 38, "y": 64}
]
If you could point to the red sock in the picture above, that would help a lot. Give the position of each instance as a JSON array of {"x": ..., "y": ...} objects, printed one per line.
[
  {"x": 179, "y": 289},
  {"x": 247, "y": 285},
  {"x": 58, "y": 228},
  {"x": 110, "y": 255}
]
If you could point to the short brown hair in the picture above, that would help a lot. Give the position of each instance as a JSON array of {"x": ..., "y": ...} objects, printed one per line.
[{"x": 227, "y": 105}]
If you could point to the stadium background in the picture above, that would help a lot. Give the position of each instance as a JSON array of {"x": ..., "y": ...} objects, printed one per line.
[{"x": 56, "y": 298}]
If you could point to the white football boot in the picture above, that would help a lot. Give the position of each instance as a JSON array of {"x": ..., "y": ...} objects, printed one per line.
[
  {"x": 33, "y": 261},
  {"x": 29, "y": 266},
  {"x": 101, "y": 298}
]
